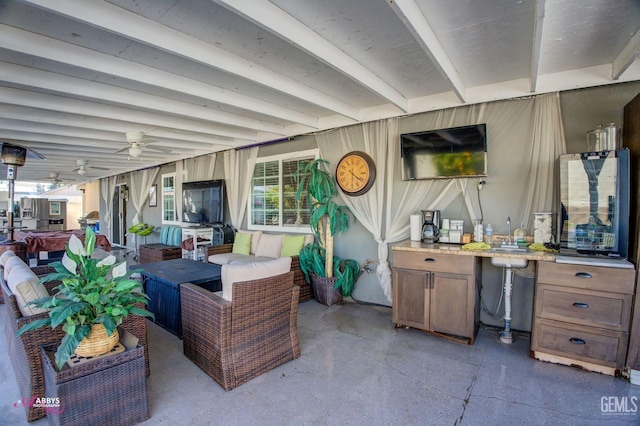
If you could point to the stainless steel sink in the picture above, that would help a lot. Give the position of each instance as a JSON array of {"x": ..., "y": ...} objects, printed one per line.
[
  {"x": 510, "y": 249},
  {"x": 508, "y": 262}
]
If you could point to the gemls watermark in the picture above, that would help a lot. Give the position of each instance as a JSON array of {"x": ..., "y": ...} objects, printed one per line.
[{"x": 620, "y": 405}]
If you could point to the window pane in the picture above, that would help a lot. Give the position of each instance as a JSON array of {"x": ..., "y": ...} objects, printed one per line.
[
  {"x": 168, "y": 211},
  {"x": 273, "y": 181}
]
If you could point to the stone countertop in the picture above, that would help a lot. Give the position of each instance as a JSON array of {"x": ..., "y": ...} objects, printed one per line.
[{"x": 456, "y": 249}]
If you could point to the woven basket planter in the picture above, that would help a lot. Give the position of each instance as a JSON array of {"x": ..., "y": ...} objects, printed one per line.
[
  {"x": 323, "y": 290},
  {"x": 98, "y": 342}
]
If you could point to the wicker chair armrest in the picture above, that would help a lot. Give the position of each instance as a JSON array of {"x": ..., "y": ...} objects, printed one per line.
[
  {"x": 223, "y": 248},
  {"x": 206, "y": 317}
]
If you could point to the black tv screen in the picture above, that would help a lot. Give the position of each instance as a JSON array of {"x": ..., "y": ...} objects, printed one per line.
[
  {"x": 203, "y": 202},
  {"x": 444, "y": 153}
]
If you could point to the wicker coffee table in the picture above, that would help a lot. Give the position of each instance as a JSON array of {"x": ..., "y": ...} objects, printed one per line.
[
  {"x": 105, "y": 391},
  {"x": 162, "y": 284}
]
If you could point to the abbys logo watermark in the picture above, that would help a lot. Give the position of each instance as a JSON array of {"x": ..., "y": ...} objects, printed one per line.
[
  {"x": 50, "y": 405},
  {"x": 624, "y": 405}
]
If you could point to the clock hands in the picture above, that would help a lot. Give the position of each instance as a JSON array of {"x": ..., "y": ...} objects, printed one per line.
[{"x": 357, "y": 177}]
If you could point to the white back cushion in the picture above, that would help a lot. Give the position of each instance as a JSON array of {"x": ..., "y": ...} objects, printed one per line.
[
  {"x": 11, "y": 263},
  {"x": 234, "y": 273},
  {"x": 255, "y": 239},
  {"x": 270, "y": 245},
  {"x": 26, "y": 286},
  {"x": 5, "y": 256}
]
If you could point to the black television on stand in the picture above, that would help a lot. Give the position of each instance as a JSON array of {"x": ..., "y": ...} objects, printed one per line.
[{"x": 203, "y": 202}]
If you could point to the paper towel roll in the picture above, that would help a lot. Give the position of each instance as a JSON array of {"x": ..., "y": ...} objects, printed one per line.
[{"x": 415, "y": 224}]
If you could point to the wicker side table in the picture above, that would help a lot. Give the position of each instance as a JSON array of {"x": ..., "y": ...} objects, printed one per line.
[
  {"x": 158, "y": 252},
  {"x": 106, "y": 391}
]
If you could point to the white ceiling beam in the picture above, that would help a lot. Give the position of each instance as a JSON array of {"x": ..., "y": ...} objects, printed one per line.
[
  {"x": 45, "y": 101},
  {"x": 98, "y": 136},
  {"x": 413, "y": 18},
  {"x": 285, "y": 26},
  {"x": 538, "y": 27},
  {"x": 127, "y": 24},
  {"x": 18, "y": 74},
  {"x": 627, "y": 56},
  {"x": 44, "y": 47},
  {"x": 82, "y": 122}
]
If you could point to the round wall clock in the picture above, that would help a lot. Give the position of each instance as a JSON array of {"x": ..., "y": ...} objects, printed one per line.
[{"x": 355, "y": 173}]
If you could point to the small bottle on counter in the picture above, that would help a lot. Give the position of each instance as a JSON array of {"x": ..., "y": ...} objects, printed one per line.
[{"x": 488, "y": 234}]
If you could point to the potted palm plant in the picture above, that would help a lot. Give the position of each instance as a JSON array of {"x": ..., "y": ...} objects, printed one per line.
[
  {"x": 330, "y": 277},
  {"x": 92, "y": 299}
]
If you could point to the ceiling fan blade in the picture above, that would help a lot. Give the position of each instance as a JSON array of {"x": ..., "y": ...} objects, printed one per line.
[
  {"x": 126, "y": 148},
  {"x": 97, "y": 168},
  {"x": 75, "y": 170}
]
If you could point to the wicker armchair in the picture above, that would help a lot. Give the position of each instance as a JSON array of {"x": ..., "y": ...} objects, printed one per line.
[
  {"x": 233, "y": 342},
  {"x": 24, "y": 350},
  {"x": 298, "y": 279}
]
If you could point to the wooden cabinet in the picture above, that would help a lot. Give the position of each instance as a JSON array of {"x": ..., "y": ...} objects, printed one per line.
[
  {"x": 436, "y": 292},
  {"x": 582, "y": 315}
]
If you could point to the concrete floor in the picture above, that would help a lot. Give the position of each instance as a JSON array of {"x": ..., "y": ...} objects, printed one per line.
[{"x": 357, "y": 369}]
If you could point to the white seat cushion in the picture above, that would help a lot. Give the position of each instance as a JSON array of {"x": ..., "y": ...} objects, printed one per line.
[
  {"x": 226, "y": 258},
  {"x": 251, "y": 271},
  {"x": 250, "y": 260},
  {"x": 26, "y": 286}
]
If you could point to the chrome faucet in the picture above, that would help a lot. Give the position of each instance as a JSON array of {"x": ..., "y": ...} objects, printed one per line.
[{"x": 509, "y": 230}]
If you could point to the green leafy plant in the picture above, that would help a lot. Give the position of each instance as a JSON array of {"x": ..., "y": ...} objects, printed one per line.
[
  {"x": 91, "y": 291},
  {"x": 327, "y": 219}
]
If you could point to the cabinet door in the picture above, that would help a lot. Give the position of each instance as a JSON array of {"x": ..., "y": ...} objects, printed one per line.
[
  {"x": 452, "y": 304},
  {"x": 410, "y": 298}
]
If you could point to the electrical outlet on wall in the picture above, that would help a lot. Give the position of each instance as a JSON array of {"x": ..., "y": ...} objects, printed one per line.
[{"x": 481, "y": 184}]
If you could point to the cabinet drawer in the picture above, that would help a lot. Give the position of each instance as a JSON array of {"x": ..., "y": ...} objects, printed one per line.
[
  {"x": 578, "y": 342},
  {"x": 434, "y": 262},
  {"x": 587, "y": 277},
  {"x": 586, "y": 307}
]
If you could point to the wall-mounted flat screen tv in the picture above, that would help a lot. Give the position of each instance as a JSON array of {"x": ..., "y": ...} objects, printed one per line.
[
  {"x": 444, "y": 153},
  {"x": 203, "y": 202}
]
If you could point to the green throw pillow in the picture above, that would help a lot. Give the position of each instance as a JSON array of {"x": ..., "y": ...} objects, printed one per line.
[
  {"x": 242, "y": 244},
  {"x": 292, "y": 245}
]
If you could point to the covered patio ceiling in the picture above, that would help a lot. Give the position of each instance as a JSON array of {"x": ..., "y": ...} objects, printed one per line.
[{"x": 193, "y": 77}]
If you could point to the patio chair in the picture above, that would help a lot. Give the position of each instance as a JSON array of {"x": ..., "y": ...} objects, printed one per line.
[
  {"x": 238, "y": 340},
  {"x": 24, "y": 350}
]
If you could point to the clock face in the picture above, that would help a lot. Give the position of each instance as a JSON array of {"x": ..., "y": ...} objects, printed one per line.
[{"x": 355, "y": 173}]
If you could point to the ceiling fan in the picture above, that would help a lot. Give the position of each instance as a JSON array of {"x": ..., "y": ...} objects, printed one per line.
[
  {"x": 55, "y": 177},
  {"x": 83, "y": 165},
  {"x": 137, "y": 141}
]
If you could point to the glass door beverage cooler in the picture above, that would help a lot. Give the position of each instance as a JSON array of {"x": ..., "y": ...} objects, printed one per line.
[{"x": 594, "y": 195}]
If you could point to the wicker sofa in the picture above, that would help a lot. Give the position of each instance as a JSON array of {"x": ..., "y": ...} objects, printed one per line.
[
  {"x": 24, "y": 350},
  {"x": 235, "y": 341},
  {"x": 222, "y": 255}
]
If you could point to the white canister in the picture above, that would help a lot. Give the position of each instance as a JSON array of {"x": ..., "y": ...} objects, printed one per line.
[
  {"x": 542, "y": 227},
  {"x": 415, "y": 227}
]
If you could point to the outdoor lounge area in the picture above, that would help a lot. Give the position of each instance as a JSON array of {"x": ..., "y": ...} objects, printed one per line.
[
  {"x": 356, "y": 368},
  {"x": 277, "y": 212}
]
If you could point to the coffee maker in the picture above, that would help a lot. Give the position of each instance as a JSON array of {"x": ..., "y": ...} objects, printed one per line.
[{"x": 430, "y": 226}]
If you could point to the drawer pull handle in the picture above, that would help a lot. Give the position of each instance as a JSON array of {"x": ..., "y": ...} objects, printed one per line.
[
  {"x": 577, "y": 341},
  {"x": 583, "y": 275},
  {"x": 581, "y": 305},
  {"x": 430, "y": 260}
]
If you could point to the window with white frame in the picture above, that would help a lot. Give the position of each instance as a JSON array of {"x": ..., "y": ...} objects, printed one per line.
[
  {"x": 272, "y": 206},
  {"x": 169, "y": 214}
]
